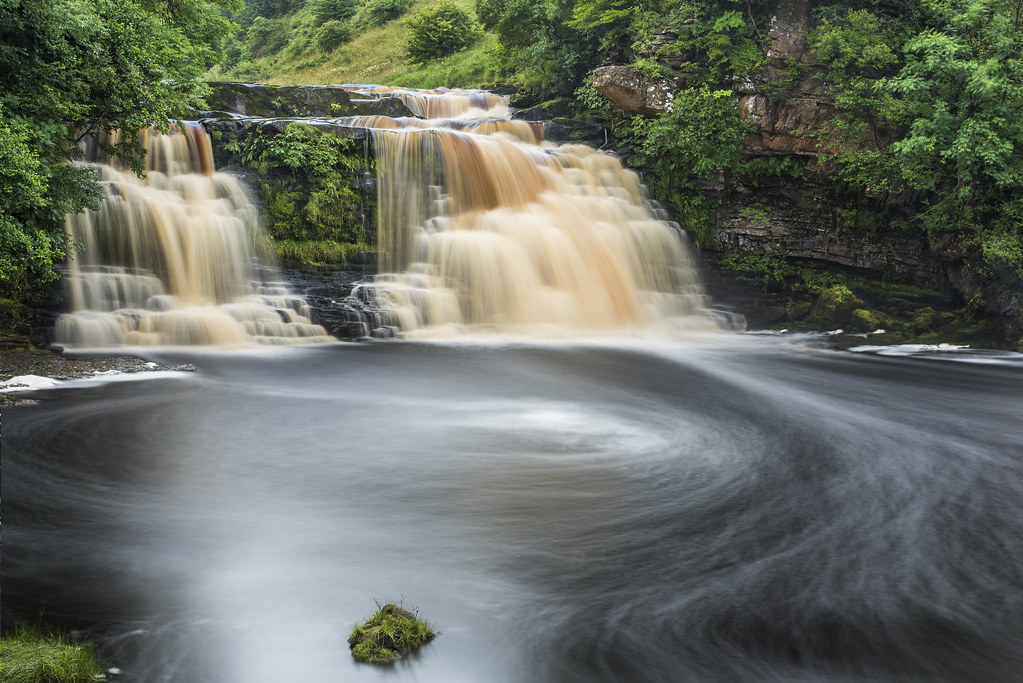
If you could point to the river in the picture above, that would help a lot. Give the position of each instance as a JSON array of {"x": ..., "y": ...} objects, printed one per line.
[{"x": 703, "y": 507}]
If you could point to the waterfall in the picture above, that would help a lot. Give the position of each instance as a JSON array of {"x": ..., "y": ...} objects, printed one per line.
[
  {"x": 484, "y": 226},
  {"x": 171, "y": 259}
]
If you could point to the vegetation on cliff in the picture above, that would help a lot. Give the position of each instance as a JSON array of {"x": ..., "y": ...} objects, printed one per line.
[{"x": 317, "y": 210}]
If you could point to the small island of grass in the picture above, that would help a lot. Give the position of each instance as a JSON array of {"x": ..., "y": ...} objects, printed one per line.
[
  {"x": 390, "y": 633},
  {"x": 36, "y": 656}
]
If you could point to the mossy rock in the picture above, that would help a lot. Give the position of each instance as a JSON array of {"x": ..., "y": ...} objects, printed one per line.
[
  {"x": 389, "y": 634},
  {"x": 923, "y": 320},
  {"x": 863, "y": 320},
  {"x": 835, "y": 305}
]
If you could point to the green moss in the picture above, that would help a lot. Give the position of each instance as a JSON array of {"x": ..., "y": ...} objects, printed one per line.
[
  {"x": 35, "y": 656},
  {"x": 388, "y": 634},
  {"x": 863, "y": 320},
  {"x": 310, "y": 183},
  {"x": 319, "y": 252}
]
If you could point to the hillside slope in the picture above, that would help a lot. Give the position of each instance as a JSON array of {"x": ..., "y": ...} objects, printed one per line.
[{"x": 287, "y": 50}]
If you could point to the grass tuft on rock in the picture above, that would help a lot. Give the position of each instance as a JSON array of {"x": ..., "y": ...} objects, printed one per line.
[
  {"x": 388, "y": 634},
  {"x": 36, "y": 656}
]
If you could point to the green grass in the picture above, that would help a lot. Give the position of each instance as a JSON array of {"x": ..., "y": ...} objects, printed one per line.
[
  {"x": 374, "y": 55},
  {"x": 37, "y": 656},
  {"x": 316, "y": 252},
  {"x": 388, "y": 634}
]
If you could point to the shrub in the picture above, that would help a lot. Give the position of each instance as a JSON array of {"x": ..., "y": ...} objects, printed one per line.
[
  {"x": 439, "y": 31},
  {"x": 379, "y": 12},
  {"x": 333, "y": 35},
  {"x": 332, "y": 10}
]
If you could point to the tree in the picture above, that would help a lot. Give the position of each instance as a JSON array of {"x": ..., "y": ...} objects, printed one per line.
[
  {"x": 73, "y": 69},
  {"x": 544, "y": 52},
  {"x": 440, "y": 30}
]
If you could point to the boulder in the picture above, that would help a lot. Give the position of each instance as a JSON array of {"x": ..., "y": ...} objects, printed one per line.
[{"x": 632, "y": 92}]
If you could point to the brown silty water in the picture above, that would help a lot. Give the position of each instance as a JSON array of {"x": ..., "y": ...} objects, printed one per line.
[
  {"x": 485, "y": 227},
  {"x": 170, "y": 260}
]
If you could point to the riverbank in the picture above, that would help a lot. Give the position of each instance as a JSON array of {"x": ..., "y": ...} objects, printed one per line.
[{"x": 24, "y": 367}]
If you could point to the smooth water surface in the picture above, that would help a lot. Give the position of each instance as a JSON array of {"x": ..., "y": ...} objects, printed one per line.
[{"x": 717, "y": 509}]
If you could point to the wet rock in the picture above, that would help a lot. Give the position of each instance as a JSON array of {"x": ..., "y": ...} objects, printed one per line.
[
  {"x": 537, "y": 113},
  {"x": 571, "y": 130}
]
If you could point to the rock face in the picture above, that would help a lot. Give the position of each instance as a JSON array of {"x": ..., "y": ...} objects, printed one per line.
[
  {"x": 570, "y": 130},
  {"x": 782, "y": 223},
  {"x": 257, "y": 99}
]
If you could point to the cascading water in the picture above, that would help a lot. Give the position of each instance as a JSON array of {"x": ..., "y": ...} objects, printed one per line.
[
  {"x": 170, "y": 260},
  {"x": 485, "y": 227}
]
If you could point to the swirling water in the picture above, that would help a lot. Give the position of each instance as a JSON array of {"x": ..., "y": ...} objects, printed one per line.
[{"x": 714, "y": 508}]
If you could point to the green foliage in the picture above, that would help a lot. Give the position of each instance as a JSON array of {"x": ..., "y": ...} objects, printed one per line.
[
  {"x": 388, "y": 634},
  {"x": 857, "y": 40},
  {"x": 332, "y": 10},
  {"x": 333, "y": 34},
  {"x": 316, "y": 252},
  {"x": 761, "y": 170},
  {"x": 35, "y": 656},
  {"x": 590, "y": 99},
  {"x": 755, "y": 214},
  {"x": 266, "y": 36},
  {"x": 720, "y": 41},
  {"x": 308, "y": 185},
  {"x": 539, "y": 50},
  {"x": 701, "y": 134},
  {"x": 271, "y": 9},
  {"x": 609, "y": 20},
  {"x": 439, "y": 30},
  {"x": 231, "y": 52},
  {"x": 930, "y": 102},
  {"x": 765, "y": 269},
  {"x": 74, "y": 68},
  {"x": 377, "y": 12}
]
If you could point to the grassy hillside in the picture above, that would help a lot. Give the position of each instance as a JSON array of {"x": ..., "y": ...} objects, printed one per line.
[{"x": 290, "y": 53}]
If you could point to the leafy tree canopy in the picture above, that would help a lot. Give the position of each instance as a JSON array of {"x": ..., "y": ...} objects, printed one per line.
[
  {"x": 76, "y": 68},
  {"x": 944, "y": 83}
]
